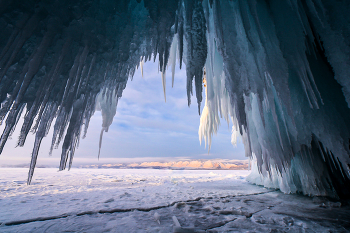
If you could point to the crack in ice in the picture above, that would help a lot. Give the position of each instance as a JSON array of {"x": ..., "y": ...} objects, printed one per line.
[{"x": 119, "y": 210}]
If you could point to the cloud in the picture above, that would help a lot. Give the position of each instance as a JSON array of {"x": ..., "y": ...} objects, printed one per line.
[{"x": 144, "y": 127}]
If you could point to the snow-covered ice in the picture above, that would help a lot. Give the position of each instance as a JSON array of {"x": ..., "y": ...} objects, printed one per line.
[{"x": 146, "y": 200}]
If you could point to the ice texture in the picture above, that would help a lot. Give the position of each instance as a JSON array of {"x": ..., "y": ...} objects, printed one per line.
[
  {"x": 144, "y": 200},
  {"x": 278, "y": 70}
]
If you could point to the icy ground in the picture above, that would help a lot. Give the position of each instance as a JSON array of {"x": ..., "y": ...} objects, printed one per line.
[{"x": 112, "y": 200}]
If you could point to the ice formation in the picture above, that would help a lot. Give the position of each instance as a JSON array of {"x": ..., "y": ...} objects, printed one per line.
[{"x": 279, "y": 70}]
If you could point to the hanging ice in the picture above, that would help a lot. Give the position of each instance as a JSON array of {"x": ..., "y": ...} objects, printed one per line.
[{"x": 278, "y": 70}]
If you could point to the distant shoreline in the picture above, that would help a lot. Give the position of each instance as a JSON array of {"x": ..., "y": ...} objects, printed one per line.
[
  {"x": 136, "y": 168},
  {"x": 175, "y": 165}
]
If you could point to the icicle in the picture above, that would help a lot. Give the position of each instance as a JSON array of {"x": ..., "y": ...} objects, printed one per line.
[
  {"x": 164, "y": 83},
  {"x": 234, "y": 133},
  {"x": 141, "y": 65},
  {"x": 181, "y": 43},
  {"x": 100, "y": 143},
  {"x": 45, "y": 123},
  {"x": 11, "y": 121},
  {"x": 172, "y": 58}
]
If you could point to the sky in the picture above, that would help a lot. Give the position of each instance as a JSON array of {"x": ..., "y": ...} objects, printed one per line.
[{"x": 145, "y": 128}]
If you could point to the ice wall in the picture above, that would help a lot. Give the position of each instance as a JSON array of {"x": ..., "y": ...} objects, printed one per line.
[
  {"x": 278, "y": 70},
  {"x": 287, "y": 72}
]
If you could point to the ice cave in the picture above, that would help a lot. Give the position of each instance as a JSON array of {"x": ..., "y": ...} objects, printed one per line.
[{"x": 278, "y": 70}]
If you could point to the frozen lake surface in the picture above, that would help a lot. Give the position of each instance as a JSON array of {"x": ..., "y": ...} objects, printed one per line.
[{"x": 148, "y": 200}]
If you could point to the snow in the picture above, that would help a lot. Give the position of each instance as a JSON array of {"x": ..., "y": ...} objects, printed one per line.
[{"x": 150, "y": 200}]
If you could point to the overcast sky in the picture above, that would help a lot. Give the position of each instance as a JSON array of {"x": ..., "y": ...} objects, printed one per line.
[{"x": 144, "y": 128}]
